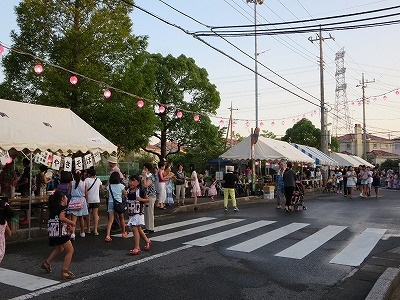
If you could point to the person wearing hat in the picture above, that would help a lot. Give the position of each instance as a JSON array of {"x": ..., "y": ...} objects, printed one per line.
[
  {"x": 229, "y": 183},
  {"x": 113, "y": 164}
]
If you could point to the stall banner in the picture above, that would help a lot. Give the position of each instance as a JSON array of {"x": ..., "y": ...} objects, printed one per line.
[
  {"x": 44, "y": 157},
  {"x": 56, "y": 164},
  {"x": 97, "y": 157},
  {"x": 88, "y": 161},
  {"x": 4, "y": 157},
  {"x": 78, "y": 163},
  {"x": 68, "y": 164}
]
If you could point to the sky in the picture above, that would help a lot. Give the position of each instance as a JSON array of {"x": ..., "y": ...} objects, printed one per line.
[{"x": 373, "y": 52}]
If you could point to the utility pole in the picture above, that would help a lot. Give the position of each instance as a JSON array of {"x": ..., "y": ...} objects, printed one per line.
[
  {"x": 324, "y": 135},
  {"x": 363, "y": 85}
]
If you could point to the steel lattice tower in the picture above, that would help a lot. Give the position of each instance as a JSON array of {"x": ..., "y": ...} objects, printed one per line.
[{"x": 341, "y": 117}]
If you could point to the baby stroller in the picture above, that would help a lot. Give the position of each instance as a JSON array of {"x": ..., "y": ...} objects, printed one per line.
[{"x": 298, "y": 196}]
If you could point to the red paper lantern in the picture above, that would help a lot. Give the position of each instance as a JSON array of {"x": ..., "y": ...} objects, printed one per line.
[
  {"x": 397, "y": 92},
  {"x": 221, "y": 122},
  {"x": 1, "y": 49},
  {"x": 196, "y": 118},
  {"x": 261, "y": 124},
  {"x": 161, "y": 109},
  {"x": 38, "y": 69},
  {"x": 273, "y": 123},
  {"x": 283, "y": 122},
  {"x": 107, "y": 94},
  {"x": 73, "y": 79},
  {"x": 385, "y": 97},
  {"x": 234, "y": 123},
  {"x": 179, "y": 114},
  {"x": 140, "y": 103},
  {"x": 247, "y": 124}
]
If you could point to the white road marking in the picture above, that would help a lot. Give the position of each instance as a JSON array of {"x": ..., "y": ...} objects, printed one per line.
[
  {"x": 194, "y": 230},
  {"x": 309, "y": 244},
  {"x": 267, "y": 238},
  {"x": 173, "y": 225},
  {"x": 228, "y": 234},
  {"x": 359, "y": 248},
  {"x": 24, "y": 281},
  {"x": 99, "y": 274}
]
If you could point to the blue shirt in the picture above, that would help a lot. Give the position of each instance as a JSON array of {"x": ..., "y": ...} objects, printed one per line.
[{"x": 116, "y": 191}]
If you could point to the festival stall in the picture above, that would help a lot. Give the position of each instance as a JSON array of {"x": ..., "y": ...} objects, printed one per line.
[
  {"x": 320, "y": 158},
  {"x": 349, "y": 160},
  {"x": 49, "y": 135},
  {"x": 266, "y": 149}
]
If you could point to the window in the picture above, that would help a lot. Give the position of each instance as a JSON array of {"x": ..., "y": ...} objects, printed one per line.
[
  {"x": 348, "y": 146},
  {"x": 375, "y": 145}
]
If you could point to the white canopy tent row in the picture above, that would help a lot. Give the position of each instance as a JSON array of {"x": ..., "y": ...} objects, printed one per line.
[
  {"x": 320, "y": 158},
  {"x": 349, "y": 160},
  {"x": 30, "y": 128},
  {"x": 266, "y": 149}
]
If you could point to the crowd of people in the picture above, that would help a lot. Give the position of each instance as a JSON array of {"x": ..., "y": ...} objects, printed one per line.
[{"x": 75, "y": 199}]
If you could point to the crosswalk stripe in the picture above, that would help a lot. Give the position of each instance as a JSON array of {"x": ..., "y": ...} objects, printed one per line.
[
  {"x": 267, "y": 238},
  {"x": 194, "y": 230},
  {"x": 172, "y": 225},
  {"x": 181, "y": 224},
  {"x": 309, "y": 244},
  {"x": 24, "y": 281},
  {"x": 359, "y": 248},
  {"x": 228, "y": 234}
]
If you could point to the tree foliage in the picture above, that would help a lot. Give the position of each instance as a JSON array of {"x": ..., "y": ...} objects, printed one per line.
[
  {"x": 178, "y": 84},
  {"x": 304, "y": 132},
  {"x": 92, "y": 38}
]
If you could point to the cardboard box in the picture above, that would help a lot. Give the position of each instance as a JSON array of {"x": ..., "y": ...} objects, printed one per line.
[{"x": 269, "y": 188}]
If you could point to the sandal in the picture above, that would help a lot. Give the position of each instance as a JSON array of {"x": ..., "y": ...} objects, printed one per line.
[
  {"x": 134, "y": 251},
  {"x": 66, "y": 274},
  {"x": 108, "y": 239},
  {"x": 46, "y": 266},
  {"x": 148, "y": 246},
  {"x": 125, "y": 235}
]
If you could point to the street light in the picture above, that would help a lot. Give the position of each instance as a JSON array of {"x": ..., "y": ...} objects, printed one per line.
[
  {"x": 254, "y": 134},
  {"x": 255, "y": 58}
]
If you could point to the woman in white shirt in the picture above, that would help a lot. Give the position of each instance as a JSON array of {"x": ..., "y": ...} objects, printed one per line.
[
  {"x": 351, "y": 181},
  {"x": 93, "y": 185}
]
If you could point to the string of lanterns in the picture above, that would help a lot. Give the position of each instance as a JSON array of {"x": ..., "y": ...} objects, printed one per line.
[{"x": 39, "y": 69}]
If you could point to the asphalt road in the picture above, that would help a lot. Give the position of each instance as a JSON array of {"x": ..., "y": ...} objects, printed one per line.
[{"x": 334, "y": 250}]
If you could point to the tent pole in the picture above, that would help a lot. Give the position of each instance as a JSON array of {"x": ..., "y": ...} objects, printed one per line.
[{"x": 30, "y": 198}]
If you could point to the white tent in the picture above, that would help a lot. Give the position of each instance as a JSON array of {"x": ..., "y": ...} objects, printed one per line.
[
  {"x": 37, "y": 127},
  {"x": 362, "y": 161},
  {"x": 348, "y": 160},
  {"x": 266, "y": 149},
  {"x": 320, "y": 157}
]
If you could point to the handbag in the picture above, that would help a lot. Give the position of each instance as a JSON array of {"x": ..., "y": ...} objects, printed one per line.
[
  {"x": 119, "y": 207},
  {"x": 75, "y": 204}
]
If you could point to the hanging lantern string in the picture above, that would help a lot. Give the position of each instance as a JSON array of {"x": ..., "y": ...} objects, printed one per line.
[{"x": 108, "y": 86}]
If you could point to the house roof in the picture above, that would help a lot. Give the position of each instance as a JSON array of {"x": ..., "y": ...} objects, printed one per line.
[
  {"x": 352, "y": 137},
  {"x": 376, "y": 153}
]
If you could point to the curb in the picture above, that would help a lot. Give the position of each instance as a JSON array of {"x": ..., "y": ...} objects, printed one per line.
[{"x": 385, "y": 286}]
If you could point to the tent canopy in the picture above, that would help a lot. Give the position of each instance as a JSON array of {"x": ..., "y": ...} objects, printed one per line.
[
  {"x": 349, "y": 160},
  {"x": 38, "y": 127},
  {"x": 266, "y": 149},
  {"x": 319, "y": 157}
]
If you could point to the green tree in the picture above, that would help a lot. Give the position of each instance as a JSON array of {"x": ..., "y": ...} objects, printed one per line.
[
  {"x": 304, "y": 132},
  {"x": 268, "y": 134},
  {"x": 179, "y": 85},
  {"x": 87, "y": 37}
]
